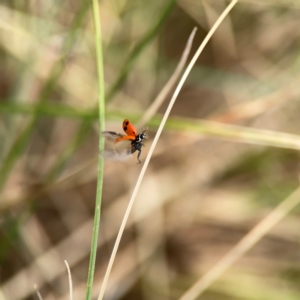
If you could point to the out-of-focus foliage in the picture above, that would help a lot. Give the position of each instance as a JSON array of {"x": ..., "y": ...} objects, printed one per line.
[{"x": 201, "y": 194}]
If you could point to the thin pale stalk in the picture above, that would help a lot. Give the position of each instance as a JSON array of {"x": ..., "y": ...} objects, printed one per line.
[
  {"x": 38, "y": 294},
  {"x": 70, "y": 280},
  {"x": 141, "y": 176},
  {"x": 152, "y": 109},
  {"x": 99, "y": 56}
]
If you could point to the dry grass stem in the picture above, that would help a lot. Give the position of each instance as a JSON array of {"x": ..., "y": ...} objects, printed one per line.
[
  {"x": 152, "y": 109},
  {"x": 165, "y": 117},
  {"x": 38, "y": 294},
  {"x": 70, "y": 280}
]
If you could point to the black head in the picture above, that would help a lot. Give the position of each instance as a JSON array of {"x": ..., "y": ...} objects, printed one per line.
[{"x": 141, "y": 136}]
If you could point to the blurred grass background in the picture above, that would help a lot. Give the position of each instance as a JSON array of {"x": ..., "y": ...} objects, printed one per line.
[{"x": 205, "y": 188}]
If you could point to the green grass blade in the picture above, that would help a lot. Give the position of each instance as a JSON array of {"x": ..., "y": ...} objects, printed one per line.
[
  {"x": 51, "y": 110},
  {"x": 210, "y": 129},
  {"x": 101, "y": 98}
]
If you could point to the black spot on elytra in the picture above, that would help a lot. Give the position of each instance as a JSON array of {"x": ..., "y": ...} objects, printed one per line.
[
  {"x": 126, "y": 123},
  {"x": 125, "y": 128}
]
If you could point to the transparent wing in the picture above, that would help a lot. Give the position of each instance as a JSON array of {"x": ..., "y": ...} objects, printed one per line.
[
  {"x": 120, "y": 151},
  {"x": 111, "y": 135},
  {"x": 116, "y": 154}
]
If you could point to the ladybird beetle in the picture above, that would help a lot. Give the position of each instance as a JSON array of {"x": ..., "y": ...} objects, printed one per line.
[{"x": 132, "y": 135}]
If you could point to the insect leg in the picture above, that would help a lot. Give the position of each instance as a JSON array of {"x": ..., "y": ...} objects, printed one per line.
[{"x": 138, "y": 157}]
